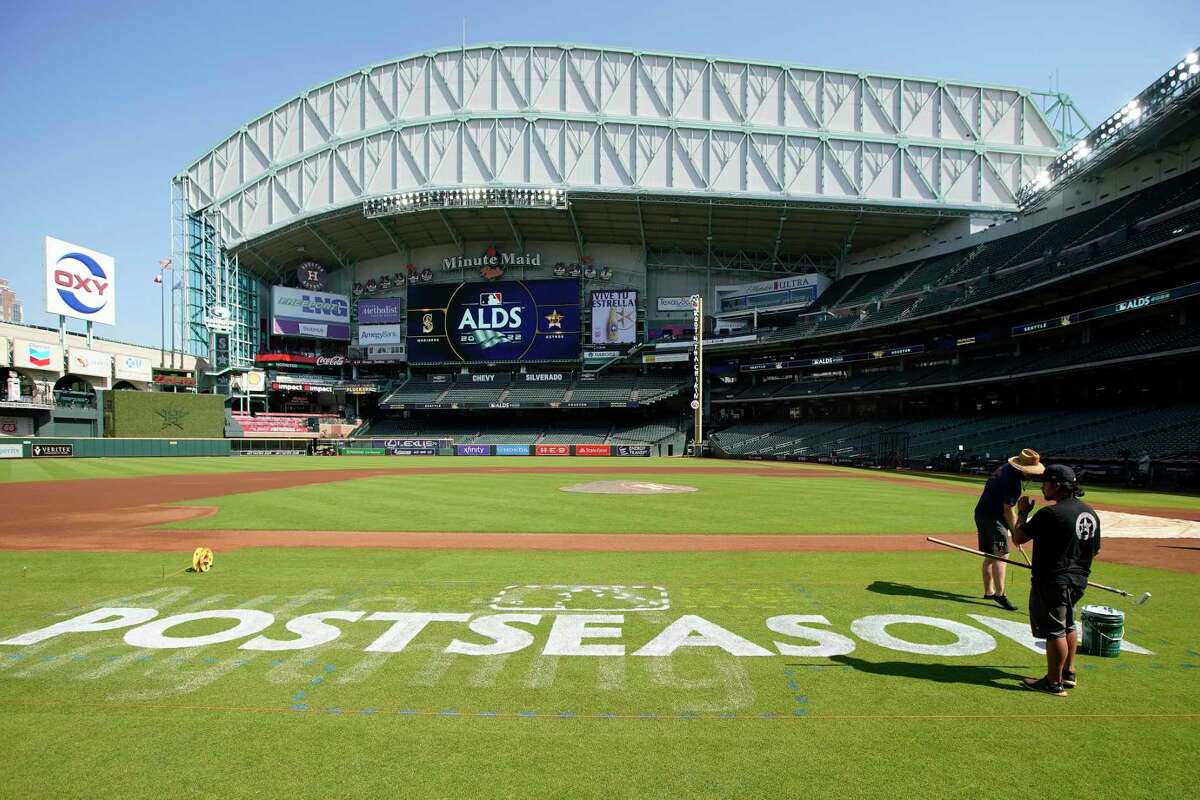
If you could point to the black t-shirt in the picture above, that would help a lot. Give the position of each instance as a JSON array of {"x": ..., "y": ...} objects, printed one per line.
[
  {"x": 1066, "y": 536},
  {"x": 1002, "y": 489}
]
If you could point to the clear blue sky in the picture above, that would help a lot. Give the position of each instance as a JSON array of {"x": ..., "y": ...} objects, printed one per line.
[{"x": 102, "y": 102}]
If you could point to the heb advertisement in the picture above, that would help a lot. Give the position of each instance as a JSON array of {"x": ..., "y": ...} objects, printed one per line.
[
  {"x": 497, "y": 321},
  {"x": 303, "y": 312},
  {"x": 80, "y": 283},
  {"x": 381, "y": 311},
  {"x": 614, "y": 317},
  {"x": 552, "y": 450}
]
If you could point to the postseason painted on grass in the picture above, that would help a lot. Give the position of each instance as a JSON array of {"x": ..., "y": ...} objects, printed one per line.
[{"x": 573, "y": 634}]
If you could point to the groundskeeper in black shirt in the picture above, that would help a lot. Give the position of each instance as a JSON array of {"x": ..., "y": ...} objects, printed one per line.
[{"x": 1066, "y": 536}]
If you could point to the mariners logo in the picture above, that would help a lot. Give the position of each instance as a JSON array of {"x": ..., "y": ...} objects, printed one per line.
[
  {"x": 1086, "y": 526},
  {"x": 427, "y": 323}
]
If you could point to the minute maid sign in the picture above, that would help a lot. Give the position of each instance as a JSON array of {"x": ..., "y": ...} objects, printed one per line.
[{"x": 492, "y": 258}]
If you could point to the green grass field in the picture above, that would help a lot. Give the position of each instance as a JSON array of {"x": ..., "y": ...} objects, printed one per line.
[
  {"x": 727, "y": 710},
  {"x": 336, "y": 721},
  {"x": 536, "y": 503}
]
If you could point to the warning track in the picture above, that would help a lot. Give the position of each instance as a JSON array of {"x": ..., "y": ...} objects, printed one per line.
[{"x": 118, "y": 514}]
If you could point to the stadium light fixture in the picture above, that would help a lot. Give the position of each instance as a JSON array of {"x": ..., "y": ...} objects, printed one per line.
[
  {"x": 1169, "y": 91},
  {"x": 547, "y": 198}
]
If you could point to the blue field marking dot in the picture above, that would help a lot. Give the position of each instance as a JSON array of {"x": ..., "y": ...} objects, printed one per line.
[
  {"x": 1190, "y": 666},
  {"x": 330, "y": 667},
  {"x": 449, "y": 712},
  {"x": 275, "y": 662},
  {"x": 408, "y": 712},
  {"x": 486, "y": 714},
  {"x": 309, "y": 662},
  {"x": 526, "y": 713},
  {"x": 333, "y": 710},
  {"x": 369, "y": 711},
  {"x": 317, "y": 681},
  {"x": 566, "y": 714},
  {"x": 606, "y": 715},
  {"x": 299, "y": 707},
  {"x": 727, "y": 715}
]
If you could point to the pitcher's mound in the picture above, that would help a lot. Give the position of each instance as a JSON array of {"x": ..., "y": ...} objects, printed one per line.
[{"x": 628, "y": 487}]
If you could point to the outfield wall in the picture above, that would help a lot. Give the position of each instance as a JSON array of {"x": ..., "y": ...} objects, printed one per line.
[
  {"x": 62, "y": 447},
  {"x": 163, "y": 415}
]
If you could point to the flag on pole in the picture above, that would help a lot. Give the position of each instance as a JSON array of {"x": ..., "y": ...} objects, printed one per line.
[
  {"x": 158, "y": 278},
  {"x": 164, "y": 263}
]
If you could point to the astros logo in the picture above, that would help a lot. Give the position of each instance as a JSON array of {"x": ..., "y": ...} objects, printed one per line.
[{"x": 85, "y": 292}]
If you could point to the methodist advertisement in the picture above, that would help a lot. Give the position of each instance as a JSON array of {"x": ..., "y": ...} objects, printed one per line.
[
  {"x": 80, "y": 283},
  {"x": 88, "y": 362},
  {"x": 614, "y": 317},
  {"x": 303, "y": 312},
  {"x": 382, "y": 311},
  {"x": 497, "y": 321}
]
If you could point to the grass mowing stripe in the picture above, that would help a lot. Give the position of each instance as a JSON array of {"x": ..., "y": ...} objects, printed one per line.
[
  {"x": 534, "y": 503},
  {"x": 604, "y": 715}
]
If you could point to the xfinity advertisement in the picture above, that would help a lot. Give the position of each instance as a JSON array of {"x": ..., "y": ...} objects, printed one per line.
[{"x": 497, "y": 321}]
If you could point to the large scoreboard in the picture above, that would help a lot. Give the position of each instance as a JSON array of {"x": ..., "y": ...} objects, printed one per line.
[{"x": 496, "y": 321}]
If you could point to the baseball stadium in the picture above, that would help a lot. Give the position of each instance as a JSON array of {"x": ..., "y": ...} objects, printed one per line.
[{"x": 554, "y": 420}]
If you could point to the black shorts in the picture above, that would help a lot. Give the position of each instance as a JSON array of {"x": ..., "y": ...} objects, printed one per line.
[
  {"x": 1052, "y": 609},
  {"x": 993, "y": 535}
]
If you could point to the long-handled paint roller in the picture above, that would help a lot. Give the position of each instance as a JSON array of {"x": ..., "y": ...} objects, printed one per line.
[{"x": 1141, "y": 600}]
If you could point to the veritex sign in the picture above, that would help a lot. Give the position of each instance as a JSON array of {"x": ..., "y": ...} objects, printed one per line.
[{"x": 53, "y": 450}]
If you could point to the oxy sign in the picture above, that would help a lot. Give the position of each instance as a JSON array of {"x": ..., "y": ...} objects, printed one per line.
[{"x": 80, "y": 282}]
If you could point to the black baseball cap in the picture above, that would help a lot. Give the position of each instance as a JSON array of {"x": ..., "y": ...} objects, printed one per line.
[{"x": 1060, "y": 474}]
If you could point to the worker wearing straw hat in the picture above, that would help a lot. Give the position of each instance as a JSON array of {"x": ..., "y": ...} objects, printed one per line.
[{"x": 995, "y": 518}]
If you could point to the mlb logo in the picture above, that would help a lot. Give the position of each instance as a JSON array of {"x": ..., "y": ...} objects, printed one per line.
[{"x": 490, "y": 298}]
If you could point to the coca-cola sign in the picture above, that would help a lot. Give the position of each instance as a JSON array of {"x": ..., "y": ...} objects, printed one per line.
[{"x": 331, "y": 361}]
